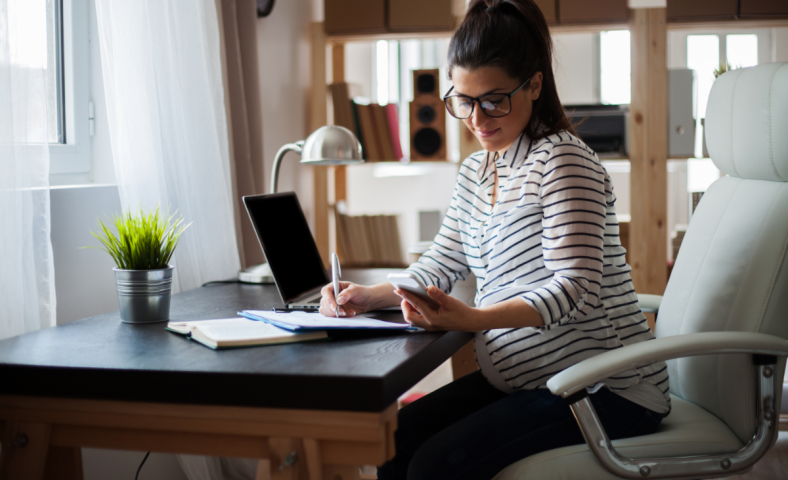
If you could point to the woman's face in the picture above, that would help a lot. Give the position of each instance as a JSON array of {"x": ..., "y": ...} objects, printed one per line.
[{"x": 496, "y": 134}]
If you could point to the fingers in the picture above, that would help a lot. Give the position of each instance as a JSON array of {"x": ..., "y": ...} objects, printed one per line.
[
  {"x": 413, "y": 317},
  {"x": 328, "y": 292},
  {"x": 329, "y": 309},
  {"x": 350, "y": 291},
  {"x": 411, "y": 299},
  {"x": 328, "y": 305},
  {"x": 436, "y": 293},
  {"x": 423, "y": 306}
]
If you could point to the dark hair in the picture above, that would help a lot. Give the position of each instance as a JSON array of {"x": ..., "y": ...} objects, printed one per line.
[{"x": 512, "y": 35}]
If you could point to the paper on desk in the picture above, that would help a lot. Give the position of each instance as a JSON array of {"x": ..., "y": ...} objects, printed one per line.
[{"x": 297, "y": 321}]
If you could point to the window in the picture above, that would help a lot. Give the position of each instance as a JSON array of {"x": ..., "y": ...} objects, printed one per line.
[
  {"x": 68, "y": 76},
  {"x": 706, "y": 51},
  {"x": 742, "y": 50},
  {"x": 703, "y": 56},
  {"x": 615, "y": 68},
  {"x": 54, "y": 72}
]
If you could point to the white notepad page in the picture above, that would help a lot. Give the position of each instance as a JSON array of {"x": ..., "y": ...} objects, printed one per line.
[{"x": 317, "y": 320}]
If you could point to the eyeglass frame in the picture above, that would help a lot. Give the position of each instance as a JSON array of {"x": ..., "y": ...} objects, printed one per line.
[{"x": 478, "y": 100}]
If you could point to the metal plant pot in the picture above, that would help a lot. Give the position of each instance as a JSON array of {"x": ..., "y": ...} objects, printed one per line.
[{"x": 144, "y": 295}]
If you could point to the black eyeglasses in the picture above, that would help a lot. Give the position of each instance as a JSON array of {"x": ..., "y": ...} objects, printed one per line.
[{"x": 493, "y": 104}]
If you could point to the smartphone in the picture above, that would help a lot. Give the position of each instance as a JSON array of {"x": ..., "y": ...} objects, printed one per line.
[{"x": 410, "y": 283}]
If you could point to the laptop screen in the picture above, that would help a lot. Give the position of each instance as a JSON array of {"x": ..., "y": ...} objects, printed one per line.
[{"x": 287, "y": 242}]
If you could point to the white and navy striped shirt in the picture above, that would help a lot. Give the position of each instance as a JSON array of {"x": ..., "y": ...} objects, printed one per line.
[{"x": 550, "y": 238}]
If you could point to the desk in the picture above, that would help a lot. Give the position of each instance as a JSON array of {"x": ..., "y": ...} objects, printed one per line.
[{"x": 101, "y": 383}]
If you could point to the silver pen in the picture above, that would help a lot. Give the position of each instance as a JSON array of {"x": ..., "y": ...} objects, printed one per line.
[{"x": 335, "y": 274}]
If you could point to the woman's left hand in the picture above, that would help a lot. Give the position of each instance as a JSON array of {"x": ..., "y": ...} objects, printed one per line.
[{"x": 452, "y": 314}]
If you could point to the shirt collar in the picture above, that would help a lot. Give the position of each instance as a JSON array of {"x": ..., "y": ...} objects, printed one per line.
[
  {"x": 517, "y": 151},
  {"x": 513, "y": 155}
]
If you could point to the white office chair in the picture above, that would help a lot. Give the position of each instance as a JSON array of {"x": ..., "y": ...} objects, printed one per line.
[{"x": 723, "y": 319}]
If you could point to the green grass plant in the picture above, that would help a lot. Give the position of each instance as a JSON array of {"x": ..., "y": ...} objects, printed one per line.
[{"x": 141, "y": 242}]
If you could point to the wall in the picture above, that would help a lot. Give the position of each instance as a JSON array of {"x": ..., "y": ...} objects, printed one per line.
[
  {"x": 84, "y": 281},
  {"x": 780, "y": 44},
  {"x": 102, "y": 168},
  {"x": 283, "y": 42},
  {"x": 401, "y": 190},
  {"x": 576, "y": 67}
]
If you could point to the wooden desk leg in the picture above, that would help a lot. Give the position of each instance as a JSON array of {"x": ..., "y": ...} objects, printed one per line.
[
  {"x": 64, "y": 463},
  {"x": 312, "y": 454},
  {"x": 24, "y": 453},
  {"x": 464, "y": 361},
  {"x": 319, "y": 471},
  {"x": 340, "y": 472}
]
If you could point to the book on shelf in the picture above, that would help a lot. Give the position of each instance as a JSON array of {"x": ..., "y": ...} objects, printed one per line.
[
  {"x": 369, "y": 240},
  {"x": 343, "y": 109},
  {"x": 239, "y": 332},
  {"x": 365, "y": 120},
  {"x": 357, "y": 127},
  {"x": 376, "y": 126},
  {"x": 383, "y": 132},
  {"x": 392, "y": 115}
]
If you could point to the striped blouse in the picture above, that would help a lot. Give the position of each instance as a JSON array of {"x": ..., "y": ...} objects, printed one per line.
[{"x": 551, "y": 239}]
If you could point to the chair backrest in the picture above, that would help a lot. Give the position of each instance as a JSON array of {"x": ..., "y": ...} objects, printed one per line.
[{"x": 732, "y": 270}]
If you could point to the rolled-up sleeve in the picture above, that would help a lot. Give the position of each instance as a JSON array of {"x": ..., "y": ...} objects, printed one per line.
[{"x": 572, "y": 195}]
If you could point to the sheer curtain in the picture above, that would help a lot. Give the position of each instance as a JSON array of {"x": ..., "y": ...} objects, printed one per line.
[
  {"x": 27, "y": 279},
  {"x": 161, "y": 67}
]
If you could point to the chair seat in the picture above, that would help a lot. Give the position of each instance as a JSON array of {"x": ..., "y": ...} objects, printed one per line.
[{"x": 688, "y": 430}]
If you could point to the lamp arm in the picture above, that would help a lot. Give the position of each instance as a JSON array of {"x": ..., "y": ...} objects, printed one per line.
[{"x": 290, "y": 147}]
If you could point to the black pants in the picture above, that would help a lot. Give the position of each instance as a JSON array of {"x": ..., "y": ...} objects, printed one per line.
[{"x": 470, "y": 430}]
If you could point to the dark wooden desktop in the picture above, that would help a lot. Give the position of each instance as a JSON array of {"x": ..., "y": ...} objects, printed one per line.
[{"x": 100, "y": 383}]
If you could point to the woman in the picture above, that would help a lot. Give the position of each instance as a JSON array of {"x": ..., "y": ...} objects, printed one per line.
[{"x": 533, "y": 217}]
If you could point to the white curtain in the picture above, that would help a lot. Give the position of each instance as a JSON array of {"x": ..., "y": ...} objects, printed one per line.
[
  {"x": 161, "y": 66},
  {"x": 27, "y": 279}
]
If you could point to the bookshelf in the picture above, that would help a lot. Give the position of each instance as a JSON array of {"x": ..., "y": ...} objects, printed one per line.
[
  {"x": 648, "y": 137},
  {"x": 330, "y": 183}
]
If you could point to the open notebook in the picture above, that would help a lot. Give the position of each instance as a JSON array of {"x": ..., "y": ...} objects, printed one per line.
[{"x": 239, "y": 332}]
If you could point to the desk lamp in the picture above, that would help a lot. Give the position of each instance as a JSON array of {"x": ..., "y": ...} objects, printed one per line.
[{"x": 329, "y": 145}]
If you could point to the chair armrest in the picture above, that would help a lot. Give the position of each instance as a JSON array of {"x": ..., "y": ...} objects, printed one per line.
[
  {"x": 600, "y": 367},
  {"x": 649, "y": 303}
]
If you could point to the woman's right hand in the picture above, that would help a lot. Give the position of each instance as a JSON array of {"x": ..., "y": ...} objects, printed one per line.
[{"x": 353, "y": 299}]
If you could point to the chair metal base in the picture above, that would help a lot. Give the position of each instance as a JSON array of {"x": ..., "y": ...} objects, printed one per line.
[{"x": 690, "y": 467}]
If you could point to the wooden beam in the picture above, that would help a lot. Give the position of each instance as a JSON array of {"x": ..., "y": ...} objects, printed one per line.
[
  {"x": 648, "y": 151},
  {"x": 338, "y": 76},
  {"x": 318, "y": 118},
  {"x": 197, "y": 419},
  {"x": 340, "y": 171}
]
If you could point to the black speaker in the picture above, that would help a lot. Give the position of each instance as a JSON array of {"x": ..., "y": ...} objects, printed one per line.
[
  {"x": 427, "y": 117},
  {"x": 426, "y": 83}
]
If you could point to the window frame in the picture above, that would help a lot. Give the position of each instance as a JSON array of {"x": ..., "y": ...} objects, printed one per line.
[
  {"x": 677, "y": 55},
  {"x": 74, "y": 157}
]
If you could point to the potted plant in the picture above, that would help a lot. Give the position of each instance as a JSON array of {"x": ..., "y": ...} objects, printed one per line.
[{"x": 142, "y": 250}]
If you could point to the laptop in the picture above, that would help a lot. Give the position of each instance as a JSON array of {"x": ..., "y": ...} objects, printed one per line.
[{"x": 291, "y": 250}]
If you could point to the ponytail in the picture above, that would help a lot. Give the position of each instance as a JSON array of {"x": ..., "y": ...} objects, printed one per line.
[{"x": 512, "y": 35}]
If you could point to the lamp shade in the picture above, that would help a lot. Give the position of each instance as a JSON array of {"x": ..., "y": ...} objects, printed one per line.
[{"x": 331, "y": 145}]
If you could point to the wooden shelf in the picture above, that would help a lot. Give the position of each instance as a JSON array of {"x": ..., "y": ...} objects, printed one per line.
[
  {"x": 648, "y": 142},
  {"x": 374, "y": 37}
]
